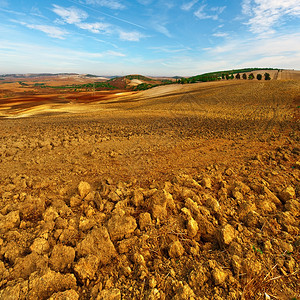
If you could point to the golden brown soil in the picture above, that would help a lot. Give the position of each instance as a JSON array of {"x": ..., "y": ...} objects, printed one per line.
[{"x": 178, "y": 192}]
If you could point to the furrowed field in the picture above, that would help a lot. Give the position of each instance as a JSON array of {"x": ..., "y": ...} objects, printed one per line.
[{"x": 177, "y": 192}]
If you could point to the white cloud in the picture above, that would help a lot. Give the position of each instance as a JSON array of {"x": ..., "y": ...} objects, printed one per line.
[
  {"x": 265, "y": 14},
  {"x": 12, "y": 12},
  {"x": 220, "y": 34},
  {"x": 264, "y": 50},
  {"x": 200, "y": 14},
  {"x": 52, "y": 31},
  {"x": 167, "y": 3},
  {"x": 75, "y": 16},
  {"x": 162, "y": 29},
  {"x": 246, "y": 7},
  {"x": 218, "y": 9},
  {"x": 145, "y": 2},
  {"x": 36, "y": 12},
  {"x": 188, "y": 5},
  {"x": 115, "y": 53},
  {"x": 112, "y": 4},
  {"x": 133, "y": 36},
  {"x": 70, "y": 15},
  {"x": 95, "y": 27},
  {"x": 214, "y": 14},
  {"x": 169, "y": 49},
  {"x": 99, "y": 55}
]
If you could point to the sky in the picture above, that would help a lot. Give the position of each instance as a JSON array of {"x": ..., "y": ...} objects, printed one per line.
[{"x": 155, "y": 38}]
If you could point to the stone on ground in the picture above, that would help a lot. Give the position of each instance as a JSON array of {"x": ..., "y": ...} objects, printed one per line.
[
  {"x": 83, "y": 189},
  {"x": 176, "y": 250}
]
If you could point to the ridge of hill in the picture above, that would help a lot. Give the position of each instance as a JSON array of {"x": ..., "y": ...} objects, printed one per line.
[{"x": 212, "y": 76}]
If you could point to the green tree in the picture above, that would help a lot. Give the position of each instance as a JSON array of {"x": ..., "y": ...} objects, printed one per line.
[
  {"x": 227, "y": 76},
  {"x": 238, "y": 76},
  {"x": 231, "y": 76},
  {"x": 258, "y": 76},
  {"x": 223, "y": 76},
  {"x": 267, "y": 76},
  {"x": 251, "y": 76},
  {"x": 244, "y": 76}
]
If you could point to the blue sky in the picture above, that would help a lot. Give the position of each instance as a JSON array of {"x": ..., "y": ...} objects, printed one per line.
[{"x": 163, "y": 37}]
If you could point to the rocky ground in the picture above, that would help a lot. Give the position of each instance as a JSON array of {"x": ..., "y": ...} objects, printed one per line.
[{"x": 165, "y": 198}]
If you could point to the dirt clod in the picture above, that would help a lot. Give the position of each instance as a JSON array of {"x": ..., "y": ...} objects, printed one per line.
[
  {"x": 176, "y": 249},
  {"x": 83, "y": 189},
  {"x": 61, "y": 257}
]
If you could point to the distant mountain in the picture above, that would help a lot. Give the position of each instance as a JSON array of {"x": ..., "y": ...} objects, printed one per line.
[{"x": 30, "y": 75}]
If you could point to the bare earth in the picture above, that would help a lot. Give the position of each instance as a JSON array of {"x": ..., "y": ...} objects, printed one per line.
[{"x": 178, "y": 192}]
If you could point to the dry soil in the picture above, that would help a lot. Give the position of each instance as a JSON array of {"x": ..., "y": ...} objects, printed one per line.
[{"x": 179, "y": 192}]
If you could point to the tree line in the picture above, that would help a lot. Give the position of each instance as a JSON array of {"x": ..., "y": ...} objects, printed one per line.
[{"x": 206, "y": 78}]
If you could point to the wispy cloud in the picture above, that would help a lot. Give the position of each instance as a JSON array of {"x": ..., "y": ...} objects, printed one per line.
[
  {"x": 218, "y": 9},
  {"x": 168, "y": 4},
  {"x": 107, "y": 15},
  {"x": 246, "y": 7},
  {"x": 282, "y": 51},
  {"x": 73, "y": 15},
  {"x": 279, "y": 45},
  {"x": 37, "y": 13},
  {"x": 188, "y": 5},
  {"x": 112, "y": 4},
  {"x": 133, "y": 36},
  {"x": 145, "y": 2},
  {"x": 70, "y": 15},
  {"x": 52, "y": 31},
  {"x": 97, "y": 27},
  {"x": 168, "y": 49},
  {"x": 90, "y": 37},
  {"x": 115, "y": 53},
  {"x": 213, "y": 14},
  {"x": 265, "y": 14},
  {"x": 62, "y": 54},
  {"x": 220, "y": 34},
  {"x": 12, "y": 12},
  {"x": 100, "y": 54},
  {"x": 162, "y": 29}
]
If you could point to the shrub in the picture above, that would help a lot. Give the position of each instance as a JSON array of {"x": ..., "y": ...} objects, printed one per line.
[
  {"x": 267, "y": 76},
  {"x": 259, "y": 76},
  {"x": 251, "y": 76}
]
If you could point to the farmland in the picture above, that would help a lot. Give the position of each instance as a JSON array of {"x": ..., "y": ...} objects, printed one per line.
[{"x": 181, "y": 191}]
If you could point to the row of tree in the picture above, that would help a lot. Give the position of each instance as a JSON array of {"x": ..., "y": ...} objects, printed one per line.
[
  {"x": 205, "y": 78},
  {"x": 251, "y": 76}
]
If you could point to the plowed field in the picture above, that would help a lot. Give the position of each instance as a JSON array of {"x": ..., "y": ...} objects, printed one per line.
[{"x": 178, "y": 192}]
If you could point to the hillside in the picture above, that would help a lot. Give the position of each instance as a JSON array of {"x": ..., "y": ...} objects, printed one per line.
[
  {"x": 228, "y": 74},
  {"x": 137, "y": 82}
]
